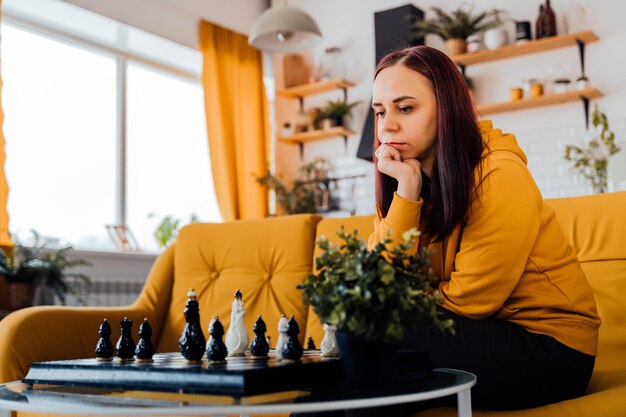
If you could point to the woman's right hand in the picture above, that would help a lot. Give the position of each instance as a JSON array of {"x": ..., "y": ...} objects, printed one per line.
[{"x": 407, "y": 172}]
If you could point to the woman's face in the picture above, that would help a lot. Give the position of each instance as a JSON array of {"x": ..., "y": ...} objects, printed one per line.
[{"x": 406, "y": 111}]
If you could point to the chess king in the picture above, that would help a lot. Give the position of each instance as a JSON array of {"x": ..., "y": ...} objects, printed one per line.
[{"x": 237, "y": 335}]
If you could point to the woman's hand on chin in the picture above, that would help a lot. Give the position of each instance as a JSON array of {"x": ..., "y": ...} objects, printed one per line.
[{"x": 407, "y": 172}]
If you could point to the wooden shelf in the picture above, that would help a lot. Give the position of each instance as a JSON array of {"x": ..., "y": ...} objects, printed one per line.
[
  {"x": 314, "y": 88},
  {"x": 314, "y": 135},
  {"x": 547, "y": 100},
  {"x": 530, "y": 47}
]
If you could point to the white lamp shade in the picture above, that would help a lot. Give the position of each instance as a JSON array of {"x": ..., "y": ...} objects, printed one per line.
[{"x": 284, "y": 29}]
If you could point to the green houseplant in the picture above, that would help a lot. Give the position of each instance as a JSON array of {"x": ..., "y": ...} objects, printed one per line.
[
  {"x": 456, "y": 26},
  {"x": 25, "y": 267},
  {"x": 336, "y": 111},
  {"x": 310, "y": 192},
  {"x": 167, "y": 230},
  {"x": 592, "y": 161},
  {"x": 372, "y": 297}
]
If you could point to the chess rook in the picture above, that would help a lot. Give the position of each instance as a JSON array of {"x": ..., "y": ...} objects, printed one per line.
[
  {"x": 192, "y": 343},
  {"x": 104, "y": 347},
  {"x": 292, "y": 349},
  {"x": 145, "y": 349},
  {"x": 126, "y": 345},
  {"x": 237, "y": 335},
  {"x": 259, "y": 347},
  {"x": 216, "y": 349}
]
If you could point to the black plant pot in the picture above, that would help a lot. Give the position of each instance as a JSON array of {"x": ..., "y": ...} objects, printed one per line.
[{"x": 367, "y": 366}]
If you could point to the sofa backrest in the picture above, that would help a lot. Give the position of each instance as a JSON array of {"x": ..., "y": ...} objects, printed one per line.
[
  {"x": 595, "y": 225},
  {"x": 328, "y": 228},
  {"x": 265, "y": 259}
]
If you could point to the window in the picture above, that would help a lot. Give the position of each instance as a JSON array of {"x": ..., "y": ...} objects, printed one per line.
[
  {"x": 60, "y": 98},
  {"x": 169, "y": 172},
  {"x": 59, "y": 103}
]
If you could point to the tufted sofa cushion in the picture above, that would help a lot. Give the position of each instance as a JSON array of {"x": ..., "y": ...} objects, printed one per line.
[{"x": 264, "y": 258}]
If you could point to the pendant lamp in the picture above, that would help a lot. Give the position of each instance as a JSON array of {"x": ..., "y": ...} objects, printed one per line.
[{"x": 284, "y": 29}]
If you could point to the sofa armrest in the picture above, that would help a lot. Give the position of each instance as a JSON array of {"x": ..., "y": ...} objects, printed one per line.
[{"x": 55, "y": 333}]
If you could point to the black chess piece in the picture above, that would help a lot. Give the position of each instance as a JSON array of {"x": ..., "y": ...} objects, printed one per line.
[
  {"x": 125, "y": 345},
  {"x": 310, "y": 344},
  {"x": 292, "y": 349},
  {"x": 104, "y": 347},
  {"x": 145, "y": 349},
  {"x": 192, "y": 342},
  {"x": 216, "y": 349},
  {"x": 259, "y": 348}
]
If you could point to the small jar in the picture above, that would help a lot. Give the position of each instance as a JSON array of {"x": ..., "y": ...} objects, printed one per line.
[
  {"x": 536, "y": 90},
  {"x": 286, "y": 129},
  {"x": 561, "y": 86},
  {"x": 475, "y": 43},
  {"x": 332, "y": 65},
  {"x": 516, "y": 94}
]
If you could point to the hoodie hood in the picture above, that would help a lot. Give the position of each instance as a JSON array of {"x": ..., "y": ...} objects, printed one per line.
[{"x": 500, "y": 142}]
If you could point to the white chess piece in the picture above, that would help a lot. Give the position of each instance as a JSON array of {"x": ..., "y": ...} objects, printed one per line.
[
  {"x": 282, "y": 336},
  {"x": 329, "y": 342},
  {"x": 237, "y": 335}
]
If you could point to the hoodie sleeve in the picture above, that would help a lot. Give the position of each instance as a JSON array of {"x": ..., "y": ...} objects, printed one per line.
[
  {"x": 502, "y": 227},
  {"x": 403, "y": 215}
]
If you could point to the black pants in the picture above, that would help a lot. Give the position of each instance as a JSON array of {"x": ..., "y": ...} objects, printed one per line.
[{"x": 516, "y": 369}]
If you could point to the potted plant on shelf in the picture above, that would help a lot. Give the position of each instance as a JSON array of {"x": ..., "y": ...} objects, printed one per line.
[
  {"x": 592, "y": 161},
  {"x": 310, "y": 193},
  {"x": 372, "y": 297},
  {"x": 455, "y": 27},
  {"x": 336, "y": 111},
  {"x": 26, "y": 267}
]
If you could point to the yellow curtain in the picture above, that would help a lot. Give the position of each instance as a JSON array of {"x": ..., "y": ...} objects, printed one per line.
[
  {"x": 5, "y": 237},
  {"x": 237, "y": 120}
]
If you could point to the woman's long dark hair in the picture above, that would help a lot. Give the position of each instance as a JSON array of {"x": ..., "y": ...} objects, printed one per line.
[{"x": 459, "y": 145}]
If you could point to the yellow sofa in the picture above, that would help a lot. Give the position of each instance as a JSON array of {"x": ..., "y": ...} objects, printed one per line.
[{"x": 266, "y": 258}]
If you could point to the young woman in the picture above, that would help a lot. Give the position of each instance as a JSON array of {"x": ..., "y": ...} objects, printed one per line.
[{"x": 526, "y": 321}]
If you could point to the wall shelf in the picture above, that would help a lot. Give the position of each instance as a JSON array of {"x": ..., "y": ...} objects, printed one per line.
[
  {"x": 313, "y": 135},
  {"x": 531, "y": 47},
  {"x": 314, "y": 88},
  {"x": 547, "y": 100}
]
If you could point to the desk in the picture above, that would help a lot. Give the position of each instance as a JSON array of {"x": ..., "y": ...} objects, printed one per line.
[{"x": 17, "y": 396}]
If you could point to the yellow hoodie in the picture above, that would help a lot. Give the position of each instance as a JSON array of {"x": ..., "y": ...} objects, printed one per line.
[{"x": 511, "y": 260}]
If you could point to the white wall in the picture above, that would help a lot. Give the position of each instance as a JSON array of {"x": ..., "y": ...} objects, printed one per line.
[{"x": 542, "y": 133}]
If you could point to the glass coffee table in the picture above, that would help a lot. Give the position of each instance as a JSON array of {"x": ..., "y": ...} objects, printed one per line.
[{"x": 56, "y": 399}]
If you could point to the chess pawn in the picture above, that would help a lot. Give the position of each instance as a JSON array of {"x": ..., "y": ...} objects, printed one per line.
[
  {"x": 125, "y": 345},
  {"x": 192, "y": 343},
  {"x": 310, "y": 344},
  {"x": 145, "y": 349},
  {"x": 104, "y": 347},
  {"x": 329, "y": 342},
  {"x": 282, "y": 335},
  {"x": 237, "y": 335},
  {"x": 292, "y": 349},
  {"x": 259, "y": 348},
  {"x": 215, "y": 348}
]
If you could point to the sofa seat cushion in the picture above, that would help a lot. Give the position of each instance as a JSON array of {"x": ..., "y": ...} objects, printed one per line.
[{"x": 264, "y": 258}]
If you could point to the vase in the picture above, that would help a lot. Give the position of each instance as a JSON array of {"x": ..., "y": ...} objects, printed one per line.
[
  {"x": 367, "y": 366},
  {"x": 456, "y": 46},
  {"x": 21, "y": 295},
  {"x": 495, "y": 38}
]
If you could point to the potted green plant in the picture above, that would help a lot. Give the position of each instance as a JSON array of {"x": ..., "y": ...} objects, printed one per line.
[
  {"x": 26, "y": 267},
  {"x": 336, "y": 111},
  {"x": 372, "y": 297},
  {"x": 310, "y": 192},
  {"x": 592, "y": 161},
  {"x": 167, "y": 230},
  {"x": 455, "y": 27}
]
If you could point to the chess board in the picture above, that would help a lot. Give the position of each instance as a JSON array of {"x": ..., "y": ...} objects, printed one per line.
[{"x": 238, "y": 377}]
